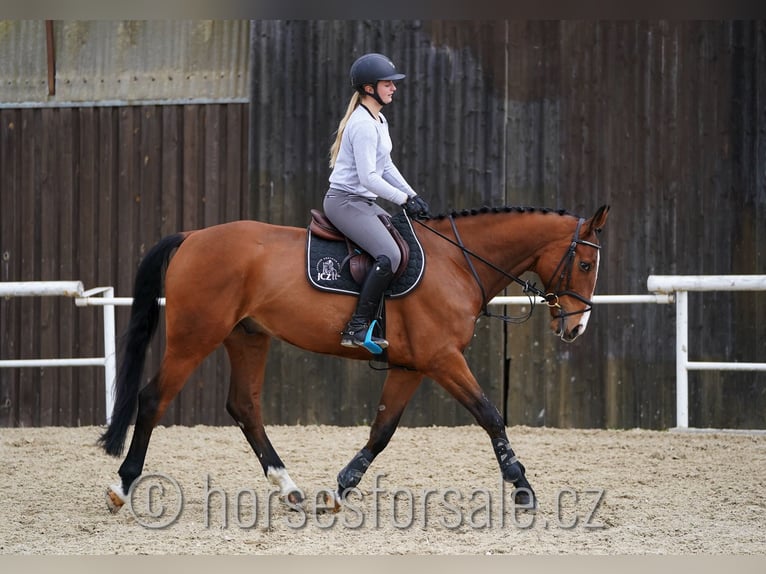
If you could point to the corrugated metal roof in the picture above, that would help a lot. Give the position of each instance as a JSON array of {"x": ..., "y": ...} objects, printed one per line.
[{"x": 127, "y": 61}]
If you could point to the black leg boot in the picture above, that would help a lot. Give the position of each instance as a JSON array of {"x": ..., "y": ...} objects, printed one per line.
[{"x": 374, "y": 285}]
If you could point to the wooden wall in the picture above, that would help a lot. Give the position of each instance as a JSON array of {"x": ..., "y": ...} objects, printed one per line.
[
  {"x": 85, "y": 192},
  {"x": 665, "y": 121}
]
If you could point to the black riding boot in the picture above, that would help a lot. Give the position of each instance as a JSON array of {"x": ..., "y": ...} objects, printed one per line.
[{"x": 373, "y": 287}]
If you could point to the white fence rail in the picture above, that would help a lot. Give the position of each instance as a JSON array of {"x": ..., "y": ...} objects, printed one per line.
[
  {"x": 665, "y": 290},
  {"x": 82, "y": 297},
  {"x": 681, "y": 285}
]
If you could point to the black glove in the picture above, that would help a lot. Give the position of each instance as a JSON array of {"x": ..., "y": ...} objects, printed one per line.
[{"x": 417, "y": 208}]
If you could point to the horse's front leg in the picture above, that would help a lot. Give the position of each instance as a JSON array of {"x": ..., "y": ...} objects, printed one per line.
[
  {"x": 456, "y": 378},
  {"x": 511, "y": 468},
  {"x": 247, "y": 348},
  {"x": 397, "y": 392}
]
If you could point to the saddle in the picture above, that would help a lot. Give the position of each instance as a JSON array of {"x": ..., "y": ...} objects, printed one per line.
[{"x": 359, "y": 261}]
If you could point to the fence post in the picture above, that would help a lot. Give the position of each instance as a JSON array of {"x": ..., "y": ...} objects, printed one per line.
[
  {"x": 110, "y": 354},
  {"x": 682, "y": 359}
]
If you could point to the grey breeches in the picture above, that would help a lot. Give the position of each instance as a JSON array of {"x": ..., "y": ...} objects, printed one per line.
[{"x": 357, "y": 218}]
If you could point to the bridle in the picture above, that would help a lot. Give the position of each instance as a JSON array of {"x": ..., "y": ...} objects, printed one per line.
[
  {"x": 565, "y": 277},
  {"x": 549, "y": 296}
]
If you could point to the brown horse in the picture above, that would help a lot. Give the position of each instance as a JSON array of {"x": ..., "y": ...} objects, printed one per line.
[{"x": 243, "y": 283}]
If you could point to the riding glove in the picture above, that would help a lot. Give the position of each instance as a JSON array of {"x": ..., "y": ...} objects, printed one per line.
[{"x": 416, "y": 207}]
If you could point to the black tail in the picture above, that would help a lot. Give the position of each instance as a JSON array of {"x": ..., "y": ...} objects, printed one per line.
[{"x": 144, "y": 316}]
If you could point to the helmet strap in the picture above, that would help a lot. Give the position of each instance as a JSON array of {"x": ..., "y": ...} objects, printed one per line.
[
  {"x": 374, "y": 95},
  {"x": 377, "y": 97}
]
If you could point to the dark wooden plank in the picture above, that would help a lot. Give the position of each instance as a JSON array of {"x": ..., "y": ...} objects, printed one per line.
[
  {"x": 89, "y": 323},
  {"x": 193, "y": 167},
  {"x": 65, "y": 323},
  {"x": 171, "y": 166},
  {"x": 127, "y": 250},
  {"x": 149, "y": 177},
  {"x": 50, "y": 207},
  {"x": 235, "y": 163},
  {"x": 30, "y": 253},
  {"x": 107, "y": 175},
  {"x": 11, "y": 234}
]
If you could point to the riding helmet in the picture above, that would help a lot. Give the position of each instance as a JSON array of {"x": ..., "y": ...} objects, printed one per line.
[{"x": 372, "y": 68}]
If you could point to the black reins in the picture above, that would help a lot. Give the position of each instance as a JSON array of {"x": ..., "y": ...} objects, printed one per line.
[{"x": 551, "y": 297}]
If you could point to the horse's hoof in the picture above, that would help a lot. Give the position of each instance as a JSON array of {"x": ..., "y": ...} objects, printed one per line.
[
  {"x": 525, "y": 499},
  {"x": 332, "y": 501},
  {"x": 294, "y": 498},
  {"x": 114, "y": 501}
]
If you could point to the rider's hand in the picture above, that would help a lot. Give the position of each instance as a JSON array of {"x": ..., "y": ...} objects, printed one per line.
[{"x": 416, "y": 207}]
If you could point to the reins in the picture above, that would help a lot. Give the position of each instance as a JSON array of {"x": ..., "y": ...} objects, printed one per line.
[{"x": 551, "y": 298}]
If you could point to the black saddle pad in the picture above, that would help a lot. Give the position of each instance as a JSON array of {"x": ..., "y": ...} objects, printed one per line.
[{"x": 324, "y": 259}]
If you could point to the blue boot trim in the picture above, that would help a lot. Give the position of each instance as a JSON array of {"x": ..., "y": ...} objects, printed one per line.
[{"x": 373, "y": 348}]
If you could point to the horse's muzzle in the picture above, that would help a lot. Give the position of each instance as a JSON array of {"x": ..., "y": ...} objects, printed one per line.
[
  {"x": 560, "y": 323},
  {"x": 569, "y": 336}
]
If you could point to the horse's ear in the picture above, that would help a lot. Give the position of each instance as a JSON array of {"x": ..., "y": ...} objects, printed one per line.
[{"x": 596, "y": 223}]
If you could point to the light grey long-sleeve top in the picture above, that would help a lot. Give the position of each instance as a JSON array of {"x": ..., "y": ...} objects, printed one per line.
[{"x": 364, "y": 164}]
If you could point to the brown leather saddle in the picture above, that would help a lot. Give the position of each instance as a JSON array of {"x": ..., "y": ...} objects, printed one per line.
[{"x": 359, "y": 260}]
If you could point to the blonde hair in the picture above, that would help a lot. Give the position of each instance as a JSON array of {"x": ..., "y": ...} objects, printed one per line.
[{"x": 335, "y": 148}]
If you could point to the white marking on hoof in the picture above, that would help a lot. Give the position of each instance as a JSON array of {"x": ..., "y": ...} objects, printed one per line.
[
  {"x": 115, "y": 498},
  {"x": 279, "y": 478}
]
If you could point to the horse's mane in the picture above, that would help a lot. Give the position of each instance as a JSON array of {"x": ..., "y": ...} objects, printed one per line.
[{"x": 502, "y": 209}]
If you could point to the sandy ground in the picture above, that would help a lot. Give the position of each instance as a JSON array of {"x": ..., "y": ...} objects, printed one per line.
[{"x": 432, "y": 491}]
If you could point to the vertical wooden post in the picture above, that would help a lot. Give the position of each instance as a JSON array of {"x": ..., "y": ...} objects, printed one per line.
[
  {"x": 252, "y": 126},
  {"x": 51, "y": 57}
]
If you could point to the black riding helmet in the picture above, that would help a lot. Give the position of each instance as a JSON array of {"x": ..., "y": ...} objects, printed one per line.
[{"x": 371, "y": 69}]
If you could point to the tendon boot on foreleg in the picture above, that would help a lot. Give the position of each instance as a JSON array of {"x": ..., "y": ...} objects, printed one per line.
[{"x": 515, "y": 473}]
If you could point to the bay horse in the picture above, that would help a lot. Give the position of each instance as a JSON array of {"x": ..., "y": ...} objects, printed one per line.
[{"x": 243, "y": 283}]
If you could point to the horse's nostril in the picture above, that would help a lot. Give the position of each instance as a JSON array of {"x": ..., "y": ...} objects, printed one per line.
[{"x": 571, "y": 335}]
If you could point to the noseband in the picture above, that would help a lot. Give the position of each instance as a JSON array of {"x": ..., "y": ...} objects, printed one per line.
[{"x": 551, "y": 297}]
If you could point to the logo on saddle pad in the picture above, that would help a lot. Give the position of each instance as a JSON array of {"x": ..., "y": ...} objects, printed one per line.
[{"x": 328, "y": 269}]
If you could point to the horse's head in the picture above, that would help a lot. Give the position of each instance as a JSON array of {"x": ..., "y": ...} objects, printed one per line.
[{"x": 570, "y": 276}]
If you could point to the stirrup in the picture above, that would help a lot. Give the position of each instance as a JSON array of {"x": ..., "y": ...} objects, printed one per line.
[{"x": 374, "y": 346}]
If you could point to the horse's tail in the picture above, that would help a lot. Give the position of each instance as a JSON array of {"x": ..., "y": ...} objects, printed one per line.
[{"x": 144, "y": 316}]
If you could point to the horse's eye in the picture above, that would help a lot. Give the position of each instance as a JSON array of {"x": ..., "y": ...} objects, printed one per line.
[{"x": 585, "y": 266}]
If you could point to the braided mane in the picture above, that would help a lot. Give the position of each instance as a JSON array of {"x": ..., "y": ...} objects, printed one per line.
[{"x": 503, "y": 209}]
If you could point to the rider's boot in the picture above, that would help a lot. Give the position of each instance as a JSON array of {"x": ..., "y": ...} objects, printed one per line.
[{"x": 355, "y": 333}]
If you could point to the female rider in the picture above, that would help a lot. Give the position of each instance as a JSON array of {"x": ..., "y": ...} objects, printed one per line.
[{"x": 362, "y": 171}]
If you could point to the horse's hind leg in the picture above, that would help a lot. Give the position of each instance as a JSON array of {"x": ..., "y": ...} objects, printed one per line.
[
  {"x": 247, "y": 348},
  {"x": 153, "y": 401},
  {"x": 397, "y": 391}
]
